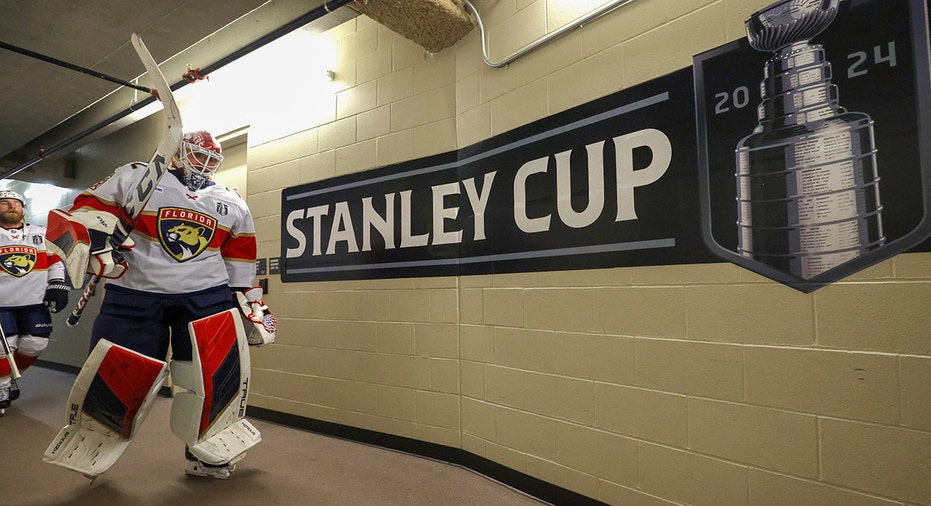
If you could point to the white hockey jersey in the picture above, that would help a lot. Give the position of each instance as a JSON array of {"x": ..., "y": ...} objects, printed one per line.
[
  {"x": 25, "y": 266},
  {"x": 185, "y": 240}
]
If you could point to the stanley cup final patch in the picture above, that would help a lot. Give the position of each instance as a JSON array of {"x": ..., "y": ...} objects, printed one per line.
[
  {"x": 184, "y": 233},
  {"x": 18, "y": 260}
]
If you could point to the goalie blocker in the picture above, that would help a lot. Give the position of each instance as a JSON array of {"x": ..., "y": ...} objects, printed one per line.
[
  {"x": 88, "y": 242},
  {"x": 116, "y": 387}
]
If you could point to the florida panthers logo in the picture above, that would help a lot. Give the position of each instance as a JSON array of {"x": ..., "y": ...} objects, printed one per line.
[
  {"x": 184, "y": 233},
  {"x": 18, "y": 260}
]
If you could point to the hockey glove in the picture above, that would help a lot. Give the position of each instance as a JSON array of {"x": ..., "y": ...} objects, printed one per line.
[
  {"x": 56, "y": 295},
  {"x": 259, "y": 323}
]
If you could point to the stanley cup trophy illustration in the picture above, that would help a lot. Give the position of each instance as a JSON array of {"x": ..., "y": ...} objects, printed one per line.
[{"x": 807, "y": 180}]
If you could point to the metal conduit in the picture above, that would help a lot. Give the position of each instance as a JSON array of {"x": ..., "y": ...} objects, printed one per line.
[
  {"x": 576, "y": 23},
  {"x": 327, "y": 7}
]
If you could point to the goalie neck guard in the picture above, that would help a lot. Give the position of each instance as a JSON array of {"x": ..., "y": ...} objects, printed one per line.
[{"x": 198, "y": 158}]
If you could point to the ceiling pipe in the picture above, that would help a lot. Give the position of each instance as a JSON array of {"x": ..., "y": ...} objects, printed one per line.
[
  {"x": 576, "y": 23},
  {"x": 327, "y": 7}
]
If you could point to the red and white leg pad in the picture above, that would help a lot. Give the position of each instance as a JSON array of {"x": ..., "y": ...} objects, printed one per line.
[
  {"x": 111, "y": 396},
  {"x": 208, "y": 412}
]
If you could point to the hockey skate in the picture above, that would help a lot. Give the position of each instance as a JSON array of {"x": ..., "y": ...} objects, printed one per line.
[
  {"x": 198, "y": 468},
  {"x": 4, "y": 399}
]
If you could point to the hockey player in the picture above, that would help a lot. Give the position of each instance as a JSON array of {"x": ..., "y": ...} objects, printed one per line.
[
  {"x": 188, "y": 258},
  {"x": 32, "y": 283}
]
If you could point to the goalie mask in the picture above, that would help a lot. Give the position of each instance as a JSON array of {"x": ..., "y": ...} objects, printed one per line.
[{"x": 198, "y": 158}]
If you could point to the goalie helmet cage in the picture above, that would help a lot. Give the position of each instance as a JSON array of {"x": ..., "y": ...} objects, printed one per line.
[{"x": 329, "y": 6}]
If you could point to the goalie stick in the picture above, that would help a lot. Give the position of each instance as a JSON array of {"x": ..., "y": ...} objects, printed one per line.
[{"x": 157, "y": 166}]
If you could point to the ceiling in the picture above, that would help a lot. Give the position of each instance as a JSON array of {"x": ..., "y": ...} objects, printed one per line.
[{"x": 45, "y": 106}]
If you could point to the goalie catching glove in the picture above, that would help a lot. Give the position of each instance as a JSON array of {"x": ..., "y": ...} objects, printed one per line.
[
  {"x": 258, "y": 321},
  {"x": 88, "y": 241}
]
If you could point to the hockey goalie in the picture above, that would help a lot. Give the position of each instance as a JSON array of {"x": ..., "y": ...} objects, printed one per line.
[{"x": 179, "y": 273}]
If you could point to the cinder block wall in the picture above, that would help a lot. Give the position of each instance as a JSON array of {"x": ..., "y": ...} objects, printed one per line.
[{"x": 698, "y": 384}]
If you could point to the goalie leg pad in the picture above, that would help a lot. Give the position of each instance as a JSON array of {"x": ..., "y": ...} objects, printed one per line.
[
  {"x": 110, "y": 398},
  {"x": 208, "y": 412}
]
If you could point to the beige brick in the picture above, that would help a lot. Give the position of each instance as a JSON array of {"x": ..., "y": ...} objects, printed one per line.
[
  {"x": 373, "y": 65},
  {"x": 357, "y": 43},
  {"x": 862, "y": 386},
  {"x": 916, "y": 378},
  {"x": 644, "y": 414},
  {"x": 396, "y": 402},
  {"x": 611, "y": 493},
  {"x": 471, "y": 306},
  {"x": 301, "y": 144},
  {"x": 334, "y": 305},
  {"x": 596, "y": 357},
  {"x": 467, "y": 93},
  {"x": 589, "y": 277},
  {"x": 670, "y": 47},
  {"x": 437, "y": 340},
  {"x": 562, "y": 476},
  {"x": 472, "y": 379},
  {"x": 371, "y": 305},
  {"x": 521, "y": 28},
  {"x": 503, "y": 307},
  {"x": 395, "y": 86},
  {"x": 473, "y": 444},
  {"x": 409, "y": 112},
  {"x": 435, "y": 138},
  {"x": 406, "y": 54},
  {"x": 338, "y": 133},
  {"x": 545, "y": 394},
  {"x": 586, "y": 80},
  {"x": 396, "y": 338},
  {"x": 567, "y": 309},
  {"x": 473, "y": 125},
  {"x": 407, "y": 371},
  {"x": 355, "y": 396},
  {"x": 525, "y": 349},
  {"x": 435, "y": 71},
  {"x": 477, "y": 342},
  {"x": 884, "y": 460},
  {"x": 703, "y": 369},
  {"x": 692, "y": 274},
  {"x": 506, "y": 456},
  {"x": 519, "y": 107},
  {"x": 737, "y": 12},
  {"x": 912, "y": 266},
  {"x": 691, "y": 478},
  {"x": 769, "y": 438},
  {"x": 526, "y": 432},
  {"x": 652, "y": 312},
  {"x": 478, "y": 418},
  {"x": 766, "y": 314},
  {"x": 598, "y": 453},
  {"x": 444, "y": 376},
  {"x": 355, "y": 158},
  {"x": 770, "y": 489},
  {"x": 854, "y": 316},
  {"x": 438, "y": 409},
  {"x": 632, "y": 19},
  {"x": 444, "y": 305},
  {"x": 373, "y": 123},
  {"x": 355, "y": 100},
  {"x": 318, "y": 167},
  {"x": 394, "y": 148},
  {"x": 409, "y": 305}
]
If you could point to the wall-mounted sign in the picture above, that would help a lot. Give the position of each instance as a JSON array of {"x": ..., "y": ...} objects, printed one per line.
[
  {"x": 621, "y": 181},
  {"x": 261, "y": 266}
]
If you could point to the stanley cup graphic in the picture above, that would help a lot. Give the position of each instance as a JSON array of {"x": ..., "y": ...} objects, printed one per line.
[{"x": 807, "y": 181}]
